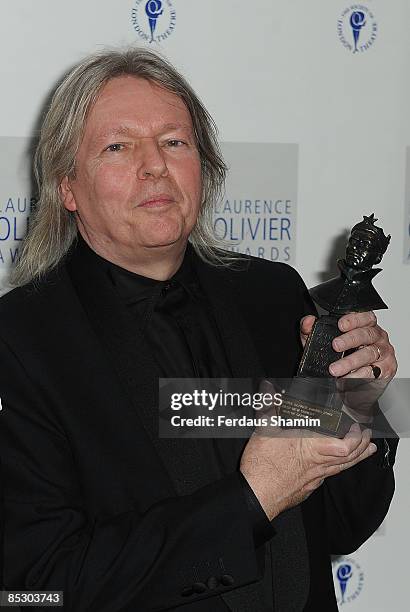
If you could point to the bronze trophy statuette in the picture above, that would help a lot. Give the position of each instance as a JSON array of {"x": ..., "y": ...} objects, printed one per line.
[{"x": 314, "y": 393}]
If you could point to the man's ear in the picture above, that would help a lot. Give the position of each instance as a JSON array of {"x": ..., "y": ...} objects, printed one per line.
[{"x": 67, "y": 196}]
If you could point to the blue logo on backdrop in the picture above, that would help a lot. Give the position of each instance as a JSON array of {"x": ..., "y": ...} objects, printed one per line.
[
  {"x": 154, "y": 21},
  {"x": 154, "y": 9},
  {"x": 348, "y": 578},
  {"x": 357, "y": 28},
  {"x": 357, "y": 21},
  {"x": 344, "y": 573}
]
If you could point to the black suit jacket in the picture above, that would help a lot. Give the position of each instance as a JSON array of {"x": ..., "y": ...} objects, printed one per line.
[{"x": 97, "y": 505}]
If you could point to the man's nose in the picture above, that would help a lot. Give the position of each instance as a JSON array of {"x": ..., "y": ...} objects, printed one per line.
[{"x": 150, "y": 160}]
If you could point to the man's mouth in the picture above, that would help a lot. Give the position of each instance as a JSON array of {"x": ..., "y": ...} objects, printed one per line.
[{"x": 156, "y": 201}]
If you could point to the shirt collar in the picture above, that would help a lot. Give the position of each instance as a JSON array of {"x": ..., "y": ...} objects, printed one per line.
[{"x": 134, "y": 287}]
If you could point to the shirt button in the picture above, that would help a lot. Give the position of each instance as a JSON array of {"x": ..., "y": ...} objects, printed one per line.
[
  {"x": 227, "y": 580},
  {"x": 167, "y": 287},
  {"x": 212, "y": 582}
]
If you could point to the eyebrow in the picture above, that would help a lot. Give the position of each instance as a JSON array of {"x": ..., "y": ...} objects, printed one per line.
[{"x": 124, "y": 130}]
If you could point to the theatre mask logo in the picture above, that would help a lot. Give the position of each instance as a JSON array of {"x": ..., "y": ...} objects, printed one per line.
[
  {"x": 348, "y": 579},
  {"x": 406, "y": 257},
  {"x": 357, "y": 28},
  {"x": 16, "y": 200},
  {"x": 153, "y": 21},
  {"x": 257, "y": 214}
]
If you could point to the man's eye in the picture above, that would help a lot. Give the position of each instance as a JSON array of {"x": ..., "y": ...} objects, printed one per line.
[
  {"x": 115, "y": 147},
  {"x": 174, "y": 142}
]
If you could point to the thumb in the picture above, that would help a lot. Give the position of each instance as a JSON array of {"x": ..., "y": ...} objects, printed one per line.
[{"x": 306, "y": 325}]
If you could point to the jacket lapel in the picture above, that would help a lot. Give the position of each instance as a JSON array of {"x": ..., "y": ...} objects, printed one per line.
[{"x": 220, "y": 290}]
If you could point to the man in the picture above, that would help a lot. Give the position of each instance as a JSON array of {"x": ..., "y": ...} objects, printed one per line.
[{"x": 112, "y": 296}]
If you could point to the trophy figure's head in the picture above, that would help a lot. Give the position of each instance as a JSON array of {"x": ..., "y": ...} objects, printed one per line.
[{"x": 367, "y": 244}]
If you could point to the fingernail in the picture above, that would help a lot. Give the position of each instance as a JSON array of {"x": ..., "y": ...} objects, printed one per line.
[
  {"x": 343, "y": 325},
  {"x": 372, "y": 447},
  {"x": 334, "y": 369},
  {"x": 339, "y": 345}
]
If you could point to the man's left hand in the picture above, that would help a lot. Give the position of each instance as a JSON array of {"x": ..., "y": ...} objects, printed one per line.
[{"x": 359, "y": 331}]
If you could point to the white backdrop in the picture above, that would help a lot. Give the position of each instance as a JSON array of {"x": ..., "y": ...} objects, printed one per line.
[{"x": 274, "y": 73}]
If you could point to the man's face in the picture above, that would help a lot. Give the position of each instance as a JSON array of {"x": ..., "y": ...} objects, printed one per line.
[
  {"x": 137, "y": 184},
  {"x": 361, "y": 251}
]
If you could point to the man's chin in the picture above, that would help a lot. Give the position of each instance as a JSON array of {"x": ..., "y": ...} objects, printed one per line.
[
  {"x": 165, "y": 236},
  {"x": 165, "y": 242}
]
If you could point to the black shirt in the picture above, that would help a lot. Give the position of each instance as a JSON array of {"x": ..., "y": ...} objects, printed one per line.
[{"x": 176, "y": 321}]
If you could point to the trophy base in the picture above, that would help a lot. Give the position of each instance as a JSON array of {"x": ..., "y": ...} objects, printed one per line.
[{"x": 315, "y": 404}]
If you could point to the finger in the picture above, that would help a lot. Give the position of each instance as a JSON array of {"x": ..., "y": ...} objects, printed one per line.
[
  {"x": 355, "y": 442},
  {"x": 365, "y": 373},
  {"x": 357, "y": 450},
  {"x": 360, "y": 336},
  {"x": 388, "y": 366},
  {"x": 336, "y": 469},
  {"x": 356, "y": 319},
  {"x": 336, "y": 448},
  {"x": 387, "y": 358},
  {"x": 352, "y": 445},
  {"x": 358, "y": 359},
  {"x": 381, "y": 352},
  {"x": 306, "y": 325}
]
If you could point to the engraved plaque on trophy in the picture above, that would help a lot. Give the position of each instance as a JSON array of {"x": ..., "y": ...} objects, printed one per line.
[{"x": 314, "y": 392}]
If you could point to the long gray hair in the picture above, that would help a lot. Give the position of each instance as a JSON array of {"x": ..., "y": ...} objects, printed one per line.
[{"x": 53, "y": 229}]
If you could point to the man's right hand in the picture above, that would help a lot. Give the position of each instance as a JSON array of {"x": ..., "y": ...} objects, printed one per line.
[{"x": 284, "y": 470}]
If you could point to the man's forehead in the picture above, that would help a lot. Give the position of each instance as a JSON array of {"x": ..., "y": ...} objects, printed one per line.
[
  {"x": 127, "y": 103},
  {"x": 127, "y": 88}
]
